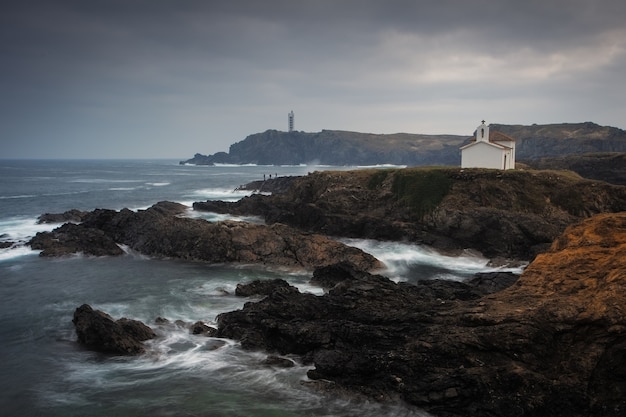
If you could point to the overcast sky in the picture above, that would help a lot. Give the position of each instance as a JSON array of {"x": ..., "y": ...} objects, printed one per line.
[{"x": 167, "y": 79}]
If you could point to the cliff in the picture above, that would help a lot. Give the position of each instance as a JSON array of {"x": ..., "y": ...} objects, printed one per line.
[
  {"x": 511, "y": 214},
  {"x": 334, "y": 147}
]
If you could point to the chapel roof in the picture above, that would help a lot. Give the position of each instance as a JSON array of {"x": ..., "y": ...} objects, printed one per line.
[{"x": 495, "y": 136}]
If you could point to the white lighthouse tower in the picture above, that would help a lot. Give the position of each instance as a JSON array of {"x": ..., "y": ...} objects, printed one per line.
[{"x": 290, "y": 121}]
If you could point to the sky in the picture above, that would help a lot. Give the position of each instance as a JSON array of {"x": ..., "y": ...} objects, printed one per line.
[{"x": 168, "y": 79}]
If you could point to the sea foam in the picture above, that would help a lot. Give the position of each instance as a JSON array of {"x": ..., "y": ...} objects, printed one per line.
[{"x": 400, "y": 258}]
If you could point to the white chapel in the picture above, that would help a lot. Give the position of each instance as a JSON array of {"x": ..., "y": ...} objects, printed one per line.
[{"x": 489, "y": 150}]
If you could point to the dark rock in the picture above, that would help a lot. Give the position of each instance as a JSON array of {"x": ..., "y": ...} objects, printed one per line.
[
  {"x": 278, "y": 362},
  {"x": 490, "y": 282},
  {"x": 136, "y": 329},
  {"x": 160, "y": 231},
  {"x": 75, "y": 238},
  {"x": 98, "y": 331},
  {"x": 72, "y": 216},
  {"x": 199, "y": 328},
  {"x": 258, "y": 287},
  {"x": 552, "y": 343},
  {"x": 5, "y": 244},
  {"x": 329, "y": 276},
  {"x": 269, "y": 185}
]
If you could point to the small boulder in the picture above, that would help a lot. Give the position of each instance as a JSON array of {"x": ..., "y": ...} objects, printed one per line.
[
  {"x": 259, "y": 287},
  {"x": 98, "y": 331},
  {"x": 200, "y": 328}
]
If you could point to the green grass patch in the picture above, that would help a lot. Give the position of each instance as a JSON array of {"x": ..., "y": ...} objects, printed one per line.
[
  {"x": 422, "y": 190},
  {"x": 377, "y": 178}
]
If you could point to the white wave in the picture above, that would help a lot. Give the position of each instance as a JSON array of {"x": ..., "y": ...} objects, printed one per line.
[
  {"x": 21, "y": 229},
  {"x": 400, "y": 257},
  {"x": 218, "y": 217},
  {"x": 16, "y": 252},
  {"x": 158, "y": 184},
  {"x": 122, "y": 188},
  {"x": 380, "y": 166},
  {"x": 12, "y": 197},
  {"x": 101, "y": 181},
  {"x": 224, "y": 194},
  {"x": 237, "y": 165}
]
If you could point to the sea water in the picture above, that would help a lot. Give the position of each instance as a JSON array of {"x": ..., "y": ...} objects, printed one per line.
[{"x": 44, "y": 372}]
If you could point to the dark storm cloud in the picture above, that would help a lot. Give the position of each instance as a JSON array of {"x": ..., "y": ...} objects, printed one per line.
[{"x": 171, "y": 78}]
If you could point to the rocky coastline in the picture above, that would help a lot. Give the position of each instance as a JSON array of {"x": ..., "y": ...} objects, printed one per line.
[
  {"x": 503, "y": 214},
  {"x": 552, "y": 342}
]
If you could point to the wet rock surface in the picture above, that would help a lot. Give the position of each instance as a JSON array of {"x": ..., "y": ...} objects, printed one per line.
[
  {"x": 98, "y": 331},
  {"x": 552, "y": 343},
  {"x": 161, "y": 231}
]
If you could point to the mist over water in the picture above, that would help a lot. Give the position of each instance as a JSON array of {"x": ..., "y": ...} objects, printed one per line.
[{"x": 46, "y": 373}]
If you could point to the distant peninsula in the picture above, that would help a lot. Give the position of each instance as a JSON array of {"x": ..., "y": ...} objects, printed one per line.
[{"x": 344, "y": 148}]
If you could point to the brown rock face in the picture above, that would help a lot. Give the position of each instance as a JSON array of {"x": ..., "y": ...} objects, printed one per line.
[{"x": 582, "y": 277}]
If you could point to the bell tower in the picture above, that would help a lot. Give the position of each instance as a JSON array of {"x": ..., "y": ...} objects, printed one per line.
[{"x": 482, "y": 133}]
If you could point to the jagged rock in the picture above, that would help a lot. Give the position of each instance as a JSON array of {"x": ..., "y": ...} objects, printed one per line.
[
  {"x": 490, "y": 282},
  {"x": 268, "y": 185},
  {"x": 258, "y": 287},
  {"x": 553, "y": 343},
  {"x": 98, "y": 331},
  {"x": 73, "y": 238},
  {"x": 160, "y": 231},
  {"x": 73, "y": 216}
]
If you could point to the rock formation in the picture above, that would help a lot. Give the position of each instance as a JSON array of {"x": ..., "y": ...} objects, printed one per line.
[
  {"x": 553, "y": 343},
  {"x": 511, "y": 214},
  {"x": 160, "y": 231},
  {"x": 98, "y": 331}
]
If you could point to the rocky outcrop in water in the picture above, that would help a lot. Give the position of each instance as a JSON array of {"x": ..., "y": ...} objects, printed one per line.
[
  {"x": 510, "y": 214},
  {"x": 553, "y": 343},
  {"x": 161, "y": 231},
  {"x": 98, "y": 331}
]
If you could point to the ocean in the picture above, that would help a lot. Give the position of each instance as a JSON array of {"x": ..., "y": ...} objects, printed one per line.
[{"x": 44, "y": 372}]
